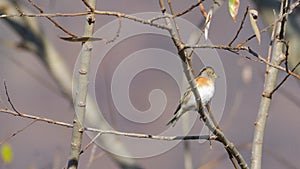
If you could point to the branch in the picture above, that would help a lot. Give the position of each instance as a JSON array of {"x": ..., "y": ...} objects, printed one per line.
[
  {"x": 240, "y": 28},
  {"x": 34, "y": 40},
  {"x": 189, "y": 9},
  {"x": 284, "y": 79},
  {"x": 111, "y": 132},
  {"x": 238, "y": 48},
  {"x": 52, "y": 20},
  {"x": 28, "y": 116},
  {"x": 270, "y": 80},
  {"x": 17, "y": 132},
  {"x": 82, "y": 89},
  {"x": 8, "y": 98},
  {"x": 187, "y": 70},
  {"x": 290, "y": 10}
]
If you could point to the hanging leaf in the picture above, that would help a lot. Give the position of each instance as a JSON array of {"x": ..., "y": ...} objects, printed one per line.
[
  {"x": 207, "y": 23},
  {"x": 233, "y": 6},
  {"x": 253, "y": 18},
  {"x": 6, "y": 153}
]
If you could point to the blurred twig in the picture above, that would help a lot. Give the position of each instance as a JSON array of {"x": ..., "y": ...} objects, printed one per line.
[{"x": 17, "y": 132}]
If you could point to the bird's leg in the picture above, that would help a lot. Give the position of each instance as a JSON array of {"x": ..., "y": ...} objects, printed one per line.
[{"x": 212, "y": 117}]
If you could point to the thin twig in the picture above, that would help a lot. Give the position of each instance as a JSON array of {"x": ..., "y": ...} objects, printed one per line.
[
  {"x": 45, "y": 15},
  {"x": 189, "y": 9},
  {"x": 87, "y": 4},
  {"x": 52, "y": 20},
  {"x": 290, "y": 10},
  {"x": 154, "y": 137},
  {"x": 240, "y": 28},
  {"x": 8, "y": 98},
  {"x": 174, "y": 19},
  {"x": 160, "y": 17},
  {"x": 284, "y": 79},
  {"x": 96, "y": 12},
  {"x": 202, "y": 10},
  {"x": 117, "y": 33},
  {"x": 271, "y": 44},
  {"x": 90, "y": 143},
  {"x": 113, "y": 132},
  {"x": 17, "y": 132},
  {"x": 248, "y": 49},
  {"x": 23, "y": 115},
  {"x": 272, "y": 64}
]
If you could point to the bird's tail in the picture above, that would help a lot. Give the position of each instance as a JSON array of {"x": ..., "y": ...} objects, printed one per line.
[{"x": 178, "y": 113}]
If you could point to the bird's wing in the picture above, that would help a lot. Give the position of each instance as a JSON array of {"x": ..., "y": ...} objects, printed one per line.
[
  {"x": 184, "y": 99},
  {"x": 186, "y": 96}
]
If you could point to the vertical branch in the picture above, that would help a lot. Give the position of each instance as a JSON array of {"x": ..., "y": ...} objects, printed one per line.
[
  {"x": 229, "y": 146},
  {"x": 188, "y": 161},
  {"x": 35, "y": 41},
  {"x": 81, "y": 90},
  {"x": 271, "y": 75}
]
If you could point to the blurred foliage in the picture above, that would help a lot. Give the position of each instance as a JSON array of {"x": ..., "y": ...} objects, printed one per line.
[{"x": 6, "y": 153}]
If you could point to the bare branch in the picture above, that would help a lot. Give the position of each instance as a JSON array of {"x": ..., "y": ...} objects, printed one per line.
[
  {"x": 248, "y": 49},
  {"x": 90, "y": 143},
  {"x": 284, "y": 79},
  {"x": 202, "y": 10},
  {"x": 87, "y": 4},
  {"x": 240, "y": 28},
  {"x": 187, "y": 70},
  {"x": 81, "y": 90},
  {"x": 52, "y": 20},
  {"x": 112, "y": 132},
  {"x": 270, "y": 80},
  {"x": 290, "y": 10},
  {"x": 50, "y": 121},
  {"x": 17, "y": 132},
  {"x": 189, "y": 9},
  {"x": 8, "y": 98}
]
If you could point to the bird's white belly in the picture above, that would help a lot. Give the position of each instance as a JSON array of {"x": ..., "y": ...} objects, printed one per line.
[{"x": 206, "y": 93}]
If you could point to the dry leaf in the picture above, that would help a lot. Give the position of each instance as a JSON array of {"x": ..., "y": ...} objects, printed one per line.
[
  {"x": 80, "y": 39},
  {"x": 207, "y": 23},
  {"x": 233, "y": 6},
  {"x": 253, "y": 18}
]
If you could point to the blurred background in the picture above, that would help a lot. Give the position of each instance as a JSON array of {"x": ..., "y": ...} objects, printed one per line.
[{"x": 34, "y": 90}]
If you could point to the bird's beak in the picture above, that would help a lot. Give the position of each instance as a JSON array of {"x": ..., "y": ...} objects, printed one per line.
[{"x": 216, "y": 76}]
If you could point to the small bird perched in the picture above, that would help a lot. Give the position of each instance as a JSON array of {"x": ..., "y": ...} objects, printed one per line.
[{"x": 206, "y": 88}]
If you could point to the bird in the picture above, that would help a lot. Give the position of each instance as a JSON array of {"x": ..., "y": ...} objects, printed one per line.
[{"x": 206, "y": 87}]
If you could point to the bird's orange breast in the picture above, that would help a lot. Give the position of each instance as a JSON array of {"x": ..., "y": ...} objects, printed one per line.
[{"x": 203, "y": 81}]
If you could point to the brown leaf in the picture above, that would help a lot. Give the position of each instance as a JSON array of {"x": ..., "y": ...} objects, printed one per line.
[
  {"x": 80, "y": 39},
  {"x": 207, "y": 23},
  {"x": 233, "y": 6},
  {"x": 253, "y": 19}
]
